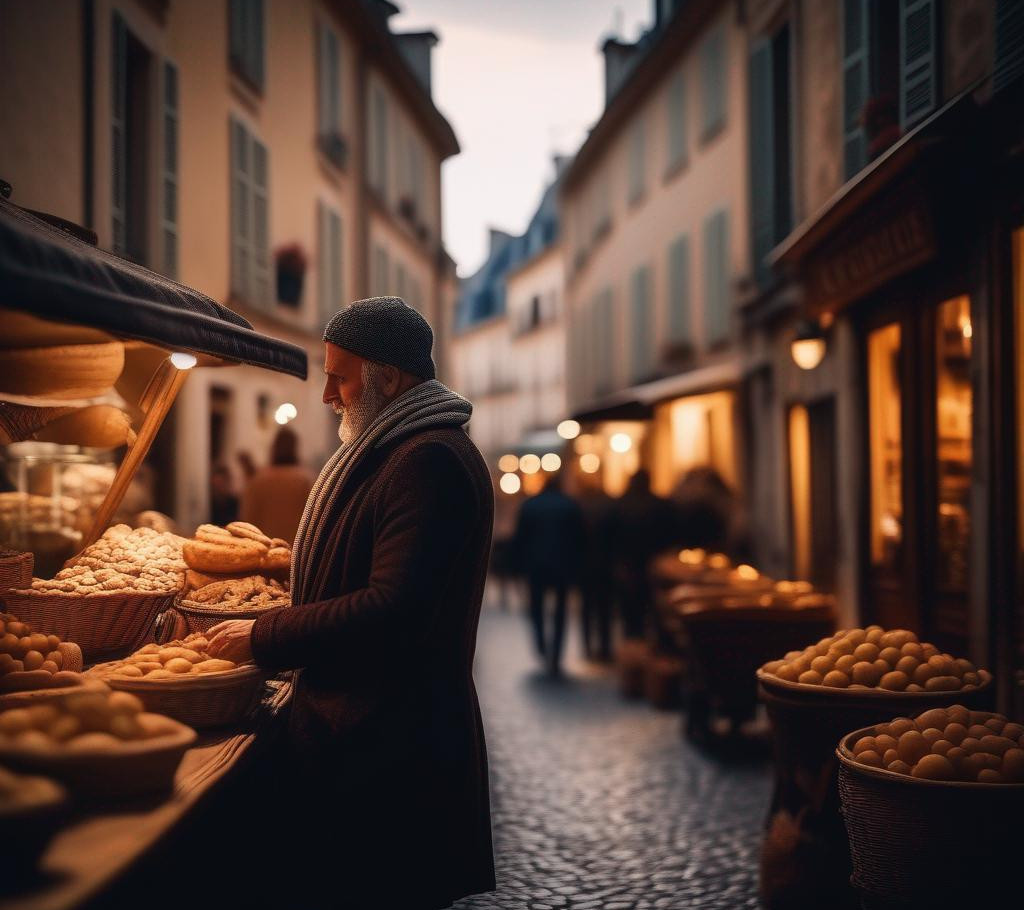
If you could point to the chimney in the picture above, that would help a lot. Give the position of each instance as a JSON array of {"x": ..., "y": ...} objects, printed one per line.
[
  {"x": 415, "y": 47},
  {"x": 619, "y": 59}
]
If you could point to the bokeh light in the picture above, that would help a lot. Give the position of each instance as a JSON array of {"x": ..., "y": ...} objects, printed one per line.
[
  {"x": 551, "y": 462},
  {"x": 569, "y": 429},
  {"x": 529, "y": 464},
  {"x": 508, "y": 463},
  {"x": 590, "y": 463},
  {"x": 621, "y": 442},
  {"x": 509, "y": 483}
]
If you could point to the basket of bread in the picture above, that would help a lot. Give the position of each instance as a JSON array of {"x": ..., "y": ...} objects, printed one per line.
[
  {"x": 932, "y": 806},
  {"x": 182, "y": 680},
  {"x": 32, "y": 810},
  {"x": 34, "y": 665},
  {"x": 235, "y": 572},
  {"x": 15, "y": 569},
  {"x": 107, "y": 599},
  {"x": 99, "y": 743},
  {"x": 814, "y": 697}
]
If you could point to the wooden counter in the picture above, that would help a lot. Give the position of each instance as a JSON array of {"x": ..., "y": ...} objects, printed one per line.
[{"x": 97, "y": 849}]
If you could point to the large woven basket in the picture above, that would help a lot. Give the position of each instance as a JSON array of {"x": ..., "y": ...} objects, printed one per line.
[
  {"x": 919, "y": 842},
  {"x": 807, "y": 722},
  {"x": 203, "y": 701},
  {"x": 194, "y": 616},
  {"x": 102, "y": 625},
  {"x": 15, "y": 570},
  {"x": 25, "y": 698}
]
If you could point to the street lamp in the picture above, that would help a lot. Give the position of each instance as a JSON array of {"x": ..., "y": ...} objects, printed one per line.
[{"x": 808, "y": 346}]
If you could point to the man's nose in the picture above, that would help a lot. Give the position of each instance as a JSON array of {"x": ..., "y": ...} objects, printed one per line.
[{"x": 329, "y": 393}]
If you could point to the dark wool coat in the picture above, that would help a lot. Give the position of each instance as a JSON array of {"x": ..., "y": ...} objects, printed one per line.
[{"x": 385, "y": 735}]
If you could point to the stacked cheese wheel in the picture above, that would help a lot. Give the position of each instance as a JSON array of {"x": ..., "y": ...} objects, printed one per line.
[
  {"x": 951, "y": 744},
  {"x": 180, "y": 659},
  {"x": 874, "y": 658},
  {"x": 85, "y": 722},
  {"x": 30, "y": 659}
]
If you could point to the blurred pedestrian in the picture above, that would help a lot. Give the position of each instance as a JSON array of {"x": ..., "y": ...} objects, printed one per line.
[
  {"x": 275, "y": 496},
  {"x": 245, "y": 464},
  {"x": 642, "y": 525},
  {"x": 708, "y": 515},
  {"x": 223, "y": 499},
  {"x": 549, "y": 546},
  {"x": 596, "y": 576},
  {"x": 503, "y": 572}
]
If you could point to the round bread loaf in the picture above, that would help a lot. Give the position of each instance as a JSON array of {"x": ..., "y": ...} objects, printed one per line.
[
  {"x": 237, "y": 555},
  {"x": 246, "y": 531},
  {"x": 213, "y": 533},
  {"x": 277, "y": 559}
]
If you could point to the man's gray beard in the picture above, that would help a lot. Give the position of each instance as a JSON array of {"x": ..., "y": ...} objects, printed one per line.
[{"x": 362, "y": 412}]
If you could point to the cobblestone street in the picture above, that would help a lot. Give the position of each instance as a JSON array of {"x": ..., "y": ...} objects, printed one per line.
[{"x": 597, "y": 802}]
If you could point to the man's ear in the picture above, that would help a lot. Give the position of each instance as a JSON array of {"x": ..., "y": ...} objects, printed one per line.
[{"x": 392, "y": 379}]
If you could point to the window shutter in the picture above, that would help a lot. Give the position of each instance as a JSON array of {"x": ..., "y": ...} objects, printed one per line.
[
  {"x": 236, "y": 32},
  {"x": 118, "y": 104},
  {"x": 240, "y": 208},
  {"x": 323, "y": 84},
  {"x": 333, "y": 83},
  {"x": 679, "y": 319},
  {"x": 716, "y": 278},
  {"x": 677, "y": 121},
  {"x": 855, "y": 83},
  {"x": 170, "y": 170},
  {"x": 762, "y": 158},
  {"x": 260, "y": 231},
  {"x": 641, "y": 333},
  {"x": 636, "y": 162},
  {"x": 255, "y": 42},
  {"x": 714, "y": 75},
  {"x": 918, "y": 60},
  {"x": 337, "y": 262},
  {"x": 323, "y": 272},
  {"x": 1009, "y": 43},
  {"x": 606, "y": 349}
]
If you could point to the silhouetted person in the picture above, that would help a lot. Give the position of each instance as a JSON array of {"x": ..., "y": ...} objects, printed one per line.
[
  {"x": 707, "y": 514},
  {"x": 276, "y": 495},
  {"x": 549, "y": 544},
  {"x": 223, "y": 501},
  {"x": 642, "y": 526},
  {"x": 597, "y": 578}
]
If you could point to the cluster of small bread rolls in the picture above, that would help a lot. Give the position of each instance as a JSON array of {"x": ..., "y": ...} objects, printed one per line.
[
  {"x": 186, "y": 657},
  {"x": 30, "y": 659}
]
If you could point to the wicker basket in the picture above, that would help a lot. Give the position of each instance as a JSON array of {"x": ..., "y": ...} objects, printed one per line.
[
  {"x": 200, "y": 617},
  {"x": 73, "y": 662},
  {"x": 127, "y": 770},
  {"x": 807, "y": 722},
  {"x": 102, "y": 625},
  {"x": 203, "y": 701},
  {"x": 15, "y": 570},
  {"x": 915, "y": 842},
  {"x": 26, "y": 830}
]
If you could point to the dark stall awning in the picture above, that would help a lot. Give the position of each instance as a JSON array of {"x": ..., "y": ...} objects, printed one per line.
[{"x": 53, "y": 274}]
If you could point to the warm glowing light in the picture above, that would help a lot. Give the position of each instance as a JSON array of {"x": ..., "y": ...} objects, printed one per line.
[
  {"x": 551, "y": 462},
  {"x": 621, "y": 442},
  {"x": 747, "y": 573},
  {"x": 285, "y": 413},
  {"x": 183, "y": 361},
  {"x": 692, "y": 557},
  {"x": 529, "y": 464},
  {"x": 967, "y": 330},
  {"x": 590, "y": 463},
  {"x": 808, "y": 352},
  {"x": 569, "y": 429},
  {"x": 508, "y": 463},
  {"x": 509, "y": 483},
  {"x": 794, "y": 587},
  {"x": 583, "y": 444},
  {"x": 718, "y": 561}
]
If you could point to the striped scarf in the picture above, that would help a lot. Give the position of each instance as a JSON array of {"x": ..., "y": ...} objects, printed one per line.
[{"x": 428, "y": 405}]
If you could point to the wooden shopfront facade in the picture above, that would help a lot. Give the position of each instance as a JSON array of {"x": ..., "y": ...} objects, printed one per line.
[{"x": 913, "y": 270}]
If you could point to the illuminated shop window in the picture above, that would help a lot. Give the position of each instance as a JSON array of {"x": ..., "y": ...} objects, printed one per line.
[{"x": 884, "y": 347}]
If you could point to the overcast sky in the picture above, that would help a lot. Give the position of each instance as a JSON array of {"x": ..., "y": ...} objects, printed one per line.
[{"x": 519, "y": 80}]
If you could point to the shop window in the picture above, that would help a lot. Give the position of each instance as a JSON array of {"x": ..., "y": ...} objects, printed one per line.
[
  {"x": 886, "y": 446},
  {"x": 953, "y": 424}
]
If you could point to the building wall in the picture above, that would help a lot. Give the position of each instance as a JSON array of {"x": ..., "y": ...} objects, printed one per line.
[{"x": 674, "y": 203}]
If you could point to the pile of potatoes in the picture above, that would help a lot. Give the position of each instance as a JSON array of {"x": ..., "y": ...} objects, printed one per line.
[
  {"x": 952, "y": 744},
  {"x": 175, "y": 660},
  {"x": 29, "y": 659},
  {"x": 88, "y": 721},
  {"x": 873, "y": 658}
]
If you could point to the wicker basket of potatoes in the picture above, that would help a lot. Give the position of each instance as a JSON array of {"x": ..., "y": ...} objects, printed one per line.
[
  {"x": 814, "y": 697},
  {"x": 180, "y": 679},
  {"x": 99, "y": 743},
  {"x": 933, "y": 807}
]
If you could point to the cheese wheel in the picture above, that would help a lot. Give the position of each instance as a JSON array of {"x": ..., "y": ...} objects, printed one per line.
[
  {"x": 101, "y": 426},
  {"x": 66, "y": 371}
]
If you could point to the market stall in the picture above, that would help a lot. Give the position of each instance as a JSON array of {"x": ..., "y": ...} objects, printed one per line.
[{"x": 108, "y": 696}]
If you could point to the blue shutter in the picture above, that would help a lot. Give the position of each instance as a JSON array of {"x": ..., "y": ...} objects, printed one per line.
[
  {"x": 170, "y": 170},
  {"x": 714, "y": 82},
  {"x": 762, "y": 158},
  {"x": 679, "y": 320},
  {"x": 856, "y": 44},
  {"x": 330, "y": 290},
  {"x": 641, "y": 333},
  {"x": 637, "y": 150},
  {"x": 918, "y": 69},
  {"x": 118, "y": 105},
  {"x": 677, "y": 122},
  {"x": 241, "y": 202},
  {"x": 260, "y": 225},
  {"x": 717, "y": 295}
]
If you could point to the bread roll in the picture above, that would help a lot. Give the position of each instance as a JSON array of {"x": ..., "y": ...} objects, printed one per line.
[
  {"x": 102, "y": 426},
  {"x": 238, "y": 555},
  {"x": 243, "y": 529}
]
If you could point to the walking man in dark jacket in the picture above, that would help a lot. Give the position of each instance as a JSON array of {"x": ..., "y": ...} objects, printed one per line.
[
  {"x": 388, "y": 569},
  {"x": 549, "y": 542}
]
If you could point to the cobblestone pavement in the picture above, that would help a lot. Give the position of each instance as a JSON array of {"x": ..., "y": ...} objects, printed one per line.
[{"x": 597, "y": 802}]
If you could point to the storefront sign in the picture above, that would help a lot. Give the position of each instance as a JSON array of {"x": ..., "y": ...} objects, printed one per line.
[{"x": 867, "y": 257}]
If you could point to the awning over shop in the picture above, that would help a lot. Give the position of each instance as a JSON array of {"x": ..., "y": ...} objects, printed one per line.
[
  {"x": 54, "y": 275},
  {"x": 637, "y": 402}
]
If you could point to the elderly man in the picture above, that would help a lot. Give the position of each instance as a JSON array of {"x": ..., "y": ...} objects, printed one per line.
[{"x": 385, "y": 739}]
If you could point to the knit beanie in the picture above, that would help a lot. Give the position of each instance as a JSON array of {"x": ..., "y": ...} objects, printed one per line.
[{"x": 386, "y": 330}]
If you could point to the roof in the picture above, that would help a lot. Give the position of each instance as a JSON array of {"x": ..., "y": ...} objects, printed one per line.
[
  {"x": 663, "y": 53},
  {"x": 52, "y": 273},
  {"x": 377, "y": 40}
]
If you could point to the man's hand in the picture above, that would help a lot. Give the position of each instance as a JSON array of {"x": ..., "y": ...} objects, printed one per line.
[{"x": 231, "y": 640}]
